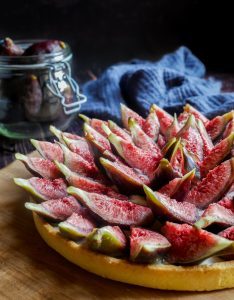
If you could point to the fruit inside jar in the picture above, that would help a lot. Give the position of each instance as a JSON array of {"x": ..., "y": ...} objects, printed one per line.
[{"x": 36, "y": 87}]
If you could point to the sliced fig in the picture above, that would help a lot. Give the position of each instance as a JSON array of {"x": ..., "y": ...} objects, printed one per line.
[
  {"x": 134, "y": 156},
  {"x": 42, "y": 188},
  {"x": 151, "y": 126},
  {"x": 161, "y": 141},
  {"x": 123, "y": 176},
  {"x": 146, "y": 245},
  {"x": 182, "y": 118},
  {"x": 168, "y": 147},
  {"x": 39, "y": 166},
  {"x": 228, "y": 253},
  {"x": 137, "y": 199},
  {"x": 113, "y": 211},
  {"x": 207, "y": 142},
  {"x": 163, "y": 174},
  {"x": 95, "y": 138},
  {"x": 191, "y": 162},
  {"x": 217, "y": 154},
  {"x": 216, "y": 126},
  {"x": 178, "y": 187},
  {"x": 164, "y": 206},
  {"x": 78, "y": 225},
  {"x": 190, "y": 136},
  {"x": 142, "y": 140},
  {"x": 48, "y": 150},
  {"x": 57, "y": 210},
  {"x": 217, "y": 214},
  {"x": 190, "y": 244},
  {"x": 127, "y": 113},
  {"x": 119, "y": 131},
  {"x": 197, "y": 114},
  {"x": 88, "y": 184},
  {"x": 229, "y": 129},
  {"x": 213, "y": 186},
  {"x": 58, "y": 133},
  {"x": 81, "y": 147},
  {"x": 77, "y": 163},
  {"x": 173, "y": 129},
  {"x": 165, "y": 119},
  {"x": 228, "y": 199},
  {"x": 108, "y": 240},
  {"x": 177, "y": 159},
  {"x": 96, "y": 124}
]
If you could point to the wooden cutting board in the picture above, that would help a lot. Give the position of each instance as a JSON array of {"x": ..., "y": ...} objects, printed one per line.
[{"x": 29, "y": 269}]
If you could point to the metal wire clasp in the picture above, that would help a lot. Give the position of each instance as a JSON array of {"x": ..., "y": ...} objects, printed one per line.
[{"x": 59, "y": 79}]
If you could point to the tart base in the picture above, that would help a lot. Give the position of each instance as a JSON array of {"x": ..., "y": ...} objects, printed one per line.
[{"x": 219, "y": 275}]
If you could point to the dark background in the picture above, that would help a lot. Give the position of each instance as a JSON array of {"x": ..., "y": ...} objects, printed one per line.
[{"x": 105, "y": 32}]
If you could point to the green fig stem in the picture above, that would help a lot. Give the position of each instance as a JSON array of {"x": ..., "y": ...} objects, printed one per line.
[{"x": 85, "y": 118}]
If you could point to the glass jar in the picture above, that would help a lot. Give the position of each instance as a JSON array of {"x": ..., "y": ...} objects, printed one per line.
[{"x": 37, "y": 91}]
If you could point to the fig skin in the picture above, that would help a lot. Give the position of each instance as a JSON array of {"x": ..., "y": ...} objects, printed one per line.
[
  {"x": 165, "y": 119},
  {"x": 57, "y": 210},
  {"x": 113, "y": 211},
  {"x": 109, "y": 240},
  {"x": 45, "y": 47},
  {"x": 9, "y": 48},
  {"x": 88, "y": 184},
  {"x": 167, "y": 208},
  {"x": 213, "y": 186},
  {"x": 39, "y": 166},
  {"x": 185, "y": 239},
  {"x": 79, "y": 225},
  {"x": 216, "y": 126},
  {"x": 48, "y": 150},
  {"x": 43, "y": 189},
  {"x": 217, "y": 214},
  {"x": 147, "y": 245},
  {"x": 191, "y": 138},
  {"x": 217, "y": 154}
]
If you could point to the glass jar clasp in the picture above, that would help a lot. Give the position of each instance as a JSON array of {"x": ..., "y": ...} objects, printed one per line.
[{"x": 59, "y": 79}]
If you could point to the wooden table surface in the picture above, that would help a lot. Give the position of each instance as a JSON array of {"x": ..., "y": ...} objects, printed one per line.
[{"x": 29, "y": 269}]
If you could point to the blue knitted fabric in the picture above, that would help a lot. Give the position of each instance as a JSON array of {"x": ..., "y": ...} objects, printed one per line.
[{"x": 172, "y": 81}]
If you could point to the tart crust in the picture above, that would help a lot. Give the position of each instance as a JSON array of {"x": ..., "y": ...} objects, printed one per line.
[{"x": 219, "y": 275}]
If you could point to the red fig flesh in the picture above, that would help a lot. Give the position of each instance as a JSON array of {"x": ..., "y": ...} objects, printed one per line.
[
  {"x": 213, "y": 186},
  {"x": 124, "y": 177},
  {"x": 78, "y": 225},
  {"x": 151, "y": 126},
  {"x": 217, "y": 154},
  {"x": 113, "y": 211},
  {"x": 190, "y": 136},
  {"x": 134, "y": 156},
  {"x": 165, "y": 119},
  {"x": 146, "y": 245},
  {"x": 59, "y": 209},
  {"x": 163, "y": 206},
  {"x": 39, "y": 166},
  {"x": 178, "y": 187},
  {"x": 44, "y": 189},
  {"x": 215, "y": 213},
  {"x": 199, "y": 116},
  {"x": 142, "y": 140},
  {"x": 189, "y": 244},
  {"x": 216, "y": 126},
  {"x": 48, "y": 150},
  {"x": 88, "y": 184},
  {"x": 127, "y": 113}
]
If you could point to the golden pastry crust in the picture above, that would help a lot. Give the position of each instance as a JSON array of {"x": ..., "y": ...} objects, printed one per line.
[{"x": 219, "y": 275}]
